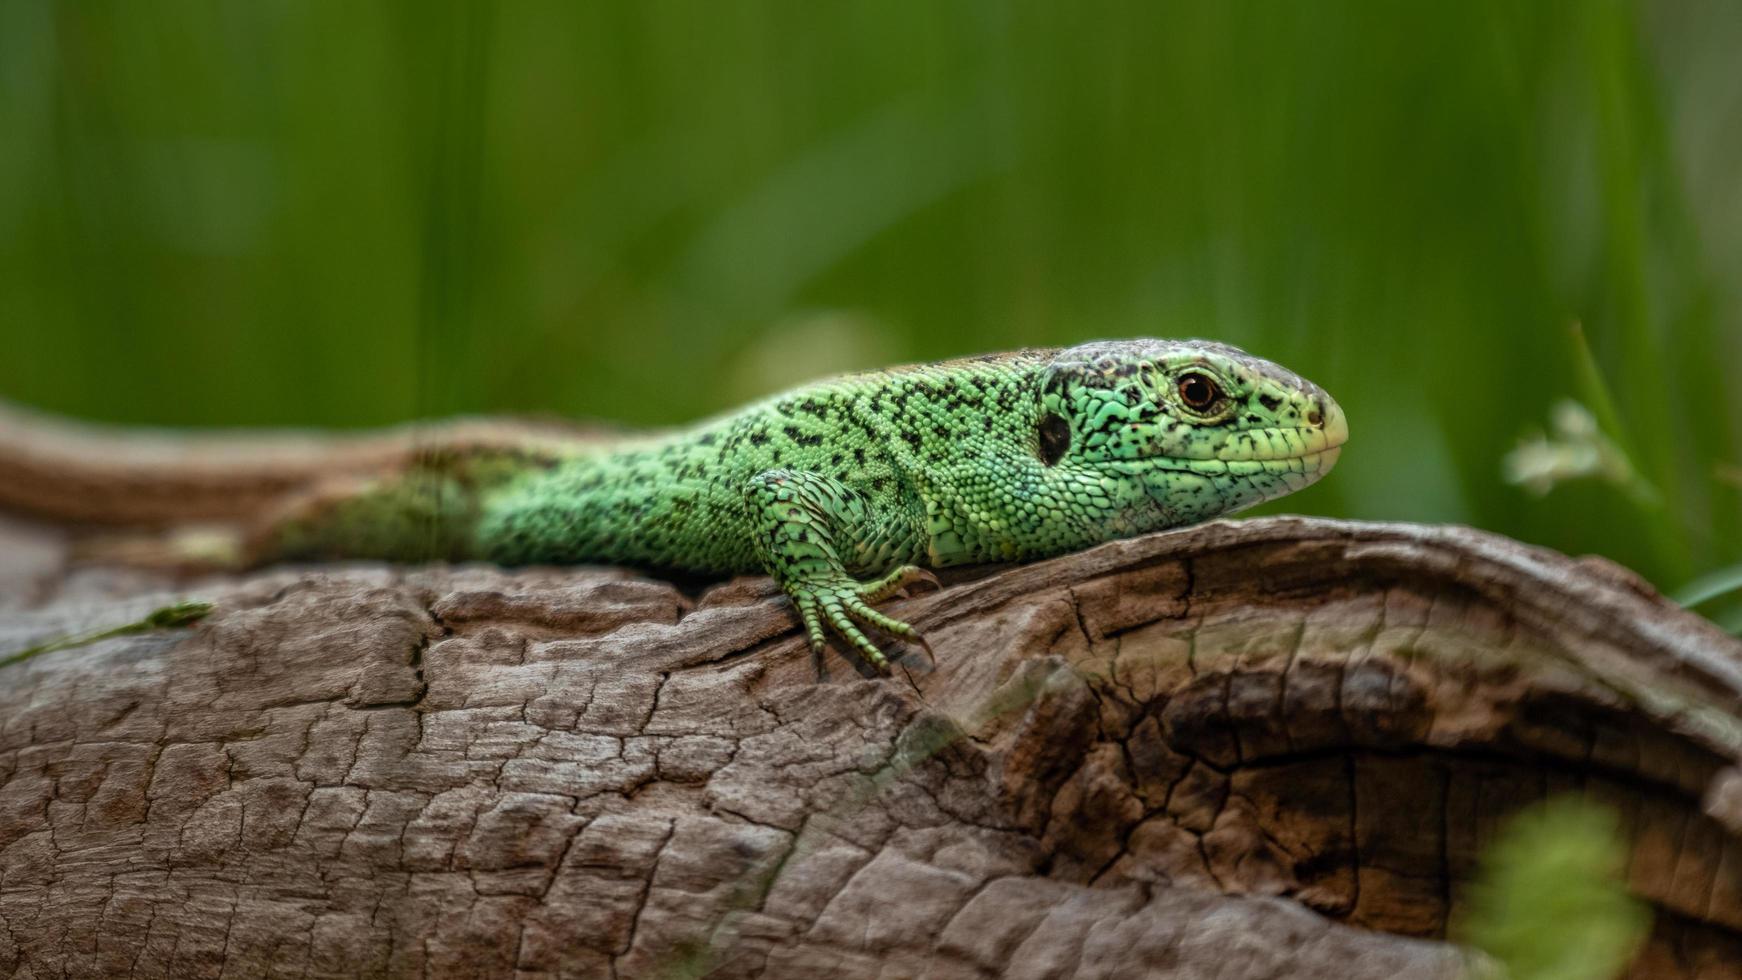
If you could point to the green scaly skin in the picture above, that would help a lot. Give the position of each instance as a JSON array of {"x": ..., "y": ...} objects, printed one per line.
[{"x": 844, "y": 488}]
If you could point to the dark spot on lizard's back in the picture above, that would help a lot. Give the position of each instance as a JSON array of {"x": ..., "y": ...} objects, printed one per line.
[
  {"x": 810, "y": 406},
  {"x": 912, "y": 438},
  {"x": 941, "y": 431},
  {"x": 758, "y": 438},
  {"x": 707, "y": 439},
  {"x": 1270, "y": 402}
]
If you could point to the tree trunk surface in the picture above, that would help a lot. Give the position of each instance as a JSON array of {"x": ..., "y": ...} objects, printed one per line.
[{"x": 1266, "y": 748}]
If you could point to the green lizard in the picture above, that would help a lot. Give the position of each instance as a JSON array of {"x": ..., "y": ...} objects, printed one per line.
[{"x": 843, "y": 489}]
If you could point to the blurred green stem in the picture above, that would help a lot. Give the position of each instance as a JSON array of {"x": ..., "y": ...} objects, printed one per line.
[
  {"x": 1710, "y": 586},
  {"x": 1668, "y": 538},
  {"x": 168, "y": 617}
]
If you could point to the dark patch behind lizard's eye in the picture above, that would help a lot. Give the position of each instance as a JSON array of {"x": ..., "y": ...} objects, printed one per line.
[{"x": 1055, "y": 438}]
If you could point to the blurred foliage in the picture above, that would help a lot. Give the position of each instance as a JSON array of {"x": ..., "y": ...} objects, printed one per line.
[
  {"x": 311, "y": 212},
  {"x": 1549, "y": 902}
]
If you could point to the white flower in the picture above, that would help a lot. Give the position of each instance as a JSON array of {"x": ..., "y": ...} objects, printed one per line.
[{"x": 1578, "y": 449}]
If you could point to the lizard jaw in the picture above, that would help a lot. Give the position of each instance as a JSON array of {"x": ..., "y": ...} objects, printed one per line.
[{"x": 1239, "y": 483}]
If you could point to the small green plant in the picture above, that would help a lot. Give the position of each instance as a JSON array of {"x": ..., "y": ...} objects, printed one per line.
[
  {"x": 184, "y": 613},
  {"x": 1588, "y": 440},
  {"x": 1549, "y": 902},
  {"x": 1575, "y": 449}
]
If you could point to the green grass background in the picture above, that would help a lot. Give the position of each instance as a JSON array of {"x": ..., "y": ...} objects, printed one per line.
[{"x": 346, "y": 214}]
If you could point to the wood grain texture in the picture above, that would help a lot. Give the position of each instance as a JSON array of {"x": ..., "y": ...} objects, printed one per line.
[{"x": 1268, "y": 748}]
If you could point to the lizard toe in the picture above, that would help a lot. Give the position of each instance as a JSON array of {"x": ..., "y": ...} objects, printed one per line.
[
  {"x": 894, "y": 582},
  {"x": 841, "y": 621},
  {"x": 876, "y": 620},
  {"x": 888, "y": 624},
  {"x": 811, "y": 613}
]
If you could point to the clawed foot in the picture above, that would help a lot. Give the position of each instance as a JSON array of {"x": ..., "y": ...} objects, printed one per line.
[{"x": 843, "y": 604}]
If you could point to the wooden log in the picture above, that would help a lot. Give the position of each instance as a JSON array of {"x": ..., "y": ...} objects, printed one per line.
[{"x": 1266, "y": 748}]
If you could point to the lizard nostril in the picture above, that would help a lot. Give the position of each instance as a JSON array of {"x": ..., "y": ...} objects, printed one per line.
[{"x": 1315, "y": 418}]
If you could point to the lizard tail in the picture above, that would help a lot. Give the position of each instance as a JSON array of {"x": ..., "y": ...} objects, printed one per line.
[{"x": 71, "y": 472}]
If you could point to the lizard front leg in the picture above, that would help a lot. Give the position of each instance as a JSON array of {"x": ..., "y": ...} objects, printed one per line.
[{"x": 799, "y": 519}]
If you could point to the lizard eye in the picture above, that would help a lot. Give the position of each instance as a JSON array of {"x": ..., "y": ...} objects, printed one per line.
[
  {"x": 1198, "y": 391},
  {"x": 1055, "y": 438}
]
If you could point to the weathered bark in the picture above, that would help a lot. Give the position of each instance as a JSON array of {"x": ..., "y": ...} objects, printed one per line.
[{"x": 1260, "y": 749}]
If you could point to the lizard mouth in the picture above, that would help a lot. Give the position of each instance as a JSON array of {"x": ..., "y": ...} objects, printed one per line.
[
  {"x": 1321, "y": 461},
  {"x": 1317, "y": 448},
  {"x": 1315, "y": 463}
]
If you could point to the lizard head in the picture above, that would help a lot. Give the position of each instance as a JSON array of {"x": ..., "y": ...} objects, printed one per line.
[{"x": 1173, "y": 432}]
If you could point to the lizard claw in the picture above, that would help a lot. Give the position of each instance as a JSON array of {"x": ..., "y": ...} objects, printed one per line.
[
  {"x": 843, "y": 607},
  {"x": 895, "y": 582},
  {"x": 922, "y": 576}
]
